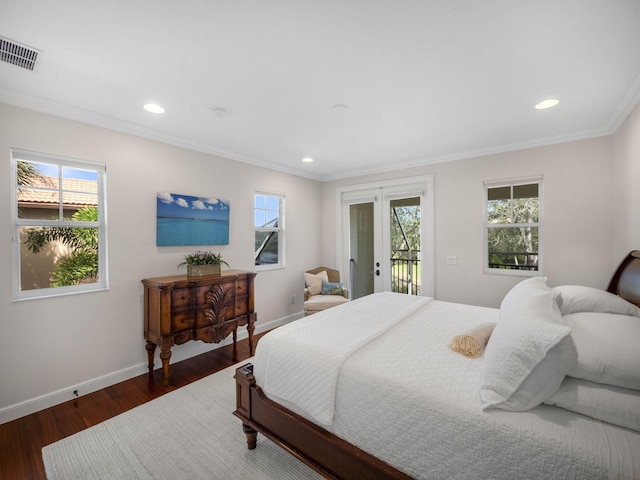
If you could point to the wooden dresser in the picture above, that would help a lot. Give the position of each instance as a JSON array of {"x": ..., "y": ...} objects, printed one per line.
[{"x": 180, "y": 308}]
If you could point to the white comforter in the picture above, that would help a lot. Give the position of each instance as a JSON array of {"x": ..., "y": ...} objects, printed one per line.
[
  {"x": 298, "y": 364},
  {"x": 407, "y": 399}
]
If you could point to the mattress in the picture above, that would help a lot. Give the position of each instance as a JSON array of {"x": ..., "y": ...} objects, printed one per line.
[{"x": 410, "y": 401}]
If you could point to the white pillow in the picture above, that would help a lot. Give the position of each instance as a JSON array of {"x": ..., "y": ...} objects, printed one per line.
[
  {"x": 608, "y": 348},
  {"x": 618, "y": 406},
  {"x": 578, "y": 298},
  {"x": 529, "y": 352},
  {"x": 514, "y": 301},
  {"x": 314, "y": 282}
]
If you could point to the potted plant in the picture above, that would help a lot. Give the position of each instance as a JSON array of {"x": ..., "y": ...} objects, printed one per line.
[{"x": 203, "y": 263}]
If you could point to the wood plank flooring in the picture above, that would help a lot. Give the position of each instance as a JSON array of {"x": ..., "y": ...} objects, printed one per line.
[{"x": 21, "y": 440}]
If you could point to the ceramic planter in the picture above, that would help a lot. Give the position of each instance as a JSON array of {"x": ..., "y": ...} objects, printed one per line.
[{"x": 203, "y": 270}]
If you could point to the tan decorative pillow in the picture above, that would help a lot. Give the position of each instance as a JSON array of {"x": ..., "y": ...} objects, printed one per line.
[
  {"x": 314, "y": 282},
  {"x": 472, "y": 342}
]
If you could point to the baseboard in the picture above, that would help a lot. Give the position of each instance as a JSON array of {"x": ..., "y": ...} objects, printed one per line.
[
  {"x": 27, "y": 407},
  {"x": 12, "y": 412},
  {"x": 263, "y": 327}
]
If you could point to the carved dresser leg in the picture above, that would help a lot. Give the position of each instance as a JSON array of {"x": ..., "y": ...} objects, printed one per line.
[
  {"x": 165, "y": 355},
  {"x": 151, "y": 350},
  {"x": 250, "y": 328}
]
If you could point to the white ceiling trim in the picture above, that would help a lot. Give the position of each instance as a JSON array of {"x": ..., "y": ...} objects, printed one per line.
[
  {"x": 471, "y": 154},
  {"x": 103, "y": 121},
  {"x": 627, "y": 104},
  {"x": 91, "y": 118}
]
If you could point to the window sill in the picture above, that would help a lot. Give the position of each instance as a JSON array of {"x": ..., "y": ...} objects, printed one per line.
[
  {"x": 512, "y": 273},
  {"x": 37, "y": 294},
  {"x": 260, "y": 268}
]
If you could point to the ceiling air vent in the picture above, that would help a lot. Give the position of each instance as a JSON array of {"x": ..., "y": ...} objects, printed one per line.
[{"x": 17, "y": 54}]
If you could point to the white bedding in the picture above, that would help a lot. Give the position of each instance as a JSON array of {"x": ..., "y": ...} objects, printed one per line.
[
  {"x": 407, "y": 399},
  {"x": 299, "y": 364}
]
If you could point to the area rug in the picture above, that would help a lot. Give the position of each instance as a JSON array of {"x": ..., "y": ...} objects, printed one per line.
[{"x": 189, "y": 433}]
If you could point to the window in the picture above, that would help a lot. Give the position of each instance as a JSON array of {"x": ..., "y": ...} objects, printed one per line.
[
  {"x": 59, "y": 226},
  {"x": 512, "y": 226},
  {"x": 269, "y": 227}
]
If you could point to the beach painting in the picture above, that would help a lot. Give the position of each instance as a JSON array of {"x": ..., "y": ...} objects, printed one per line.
[{"x": 189, "y": 220}]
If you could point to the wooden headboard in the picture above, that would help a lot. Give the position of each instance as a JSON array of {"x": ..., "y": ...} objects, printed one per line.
[{"x": 626, "y": 279}]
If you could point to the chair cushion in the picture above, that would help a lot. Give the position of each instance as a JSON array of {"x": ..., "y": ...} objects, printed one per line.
[
  {"x": 314, "y": 282},
  {"x": 317, "y": 303}
]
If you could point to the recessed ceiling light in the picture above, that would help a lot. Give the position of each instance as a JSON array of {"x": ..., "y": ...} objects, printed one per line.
[
  {"x": 307, "y": 160},
  {"x": 153, "y": 108},
  {"x": 548, "y": 103}
]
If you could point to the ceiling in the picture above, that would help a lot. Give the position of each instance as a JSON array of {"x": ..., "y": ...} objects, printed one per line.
[{"x": 361, "y": 86}]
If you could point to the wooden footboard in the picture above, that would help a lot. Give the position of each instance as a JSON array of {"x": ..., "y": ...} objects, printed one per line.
[{"x": 326, "y": 453}]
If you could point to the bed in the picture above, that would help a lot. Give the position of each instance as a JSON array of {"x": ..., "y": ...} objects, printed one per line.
[{"x": 371, "y": 389}]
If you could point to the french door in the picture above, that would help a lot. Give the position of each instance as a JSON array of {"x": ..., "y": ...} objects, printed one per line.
[{"x": 386, "y": 237}]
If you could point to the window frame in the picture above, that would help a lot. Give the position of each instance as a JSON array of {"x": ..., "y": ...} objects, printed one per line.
[
  {"x": 102, "y": 282},
  {"x": 513, "y": 182},
  {"x": 280, "y": 229}
]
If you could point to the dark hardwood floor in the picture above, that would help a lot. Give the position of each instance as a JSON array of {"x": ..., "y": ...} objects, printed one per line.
[{"x": 21, "y": 440}]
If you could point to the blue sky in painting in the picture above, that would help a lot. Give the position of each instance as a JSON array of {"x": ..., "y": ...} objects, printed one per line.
[{"x": 174, "y": 205}]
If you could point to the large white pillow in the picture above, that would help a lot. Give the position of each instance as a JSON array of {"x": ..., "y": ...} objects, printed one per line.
[
  {"x": 578, "y": 298},
  {"x": 529, "y": 352},
  {"x": 618, "y": 406},
  {"x": 314, "y": 282},
  {"x": 522, "y": 294},
  {"x": 608, "y": 348}
]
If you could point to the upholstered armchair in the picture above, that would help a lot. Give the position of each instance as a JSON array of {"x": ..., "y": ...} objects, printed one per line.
[{"x": 323, "y": 290}]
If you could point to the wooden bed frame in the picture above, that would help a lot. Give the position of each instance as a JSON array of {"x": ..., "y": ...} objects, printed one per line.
[
  {"x": 330, "y": 455},
  {"x": 626, "y": 279}
]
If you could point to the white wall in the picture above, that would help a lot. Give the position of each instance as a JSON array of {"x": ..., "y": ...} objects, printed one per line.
[
  {"x": 625, "y": 208},
  {"x": 577, "y": 219},
  {"x": 50, "y": 346}
]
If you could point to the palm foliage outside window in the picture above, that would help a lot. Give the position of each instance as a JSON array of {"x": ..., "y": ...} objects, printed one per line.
[{"x": 59, "y": 226}]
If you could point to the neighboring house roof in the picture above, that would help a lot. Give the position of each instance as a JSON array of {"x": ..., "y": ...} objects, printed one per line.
[{"x": 43, "y": 192}]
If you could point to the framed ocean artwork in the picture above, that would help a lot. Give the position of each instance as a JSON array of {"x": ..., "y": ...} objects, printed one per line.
[{"x": 189, "y": 220}]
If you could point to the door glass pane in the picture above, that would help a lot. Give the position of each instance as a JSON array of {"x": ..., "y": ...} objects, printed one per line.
[
  {"x": 405, "y": 245},
  {"x": 361, "y": 249}
]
